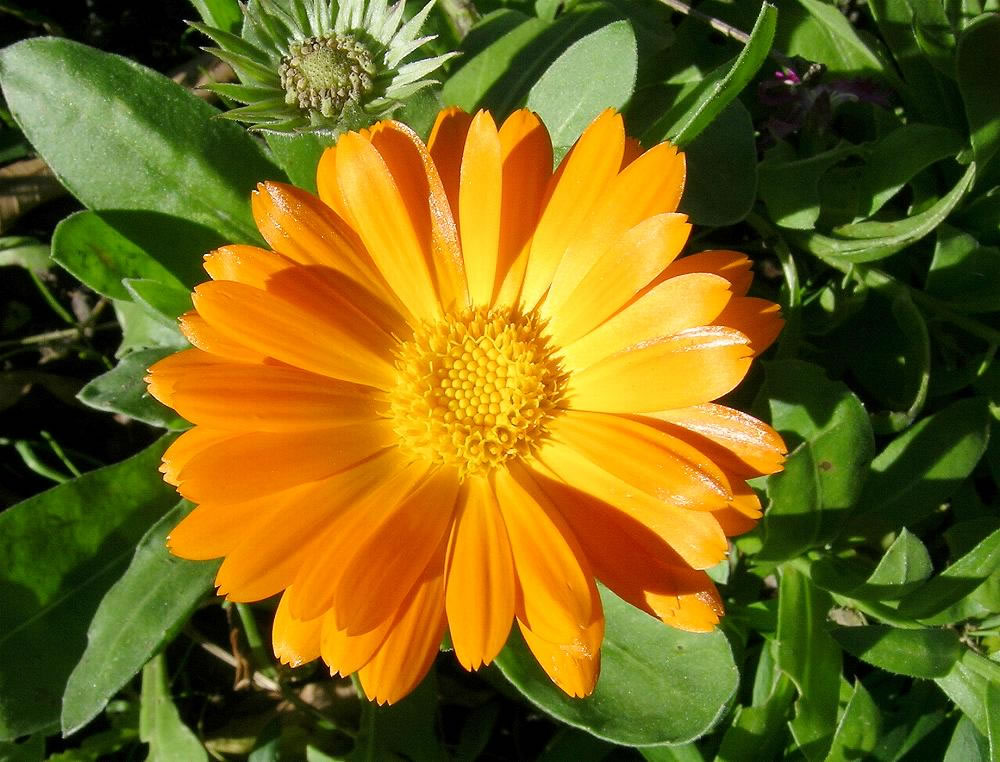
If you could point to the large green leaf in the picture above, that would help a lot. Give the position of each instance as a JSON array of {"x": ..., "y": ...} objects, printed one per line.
[
  {"x": 571, "y": 93},
  {"x": 858, "y": 730},
  {"x": 965, "y": 273},
  {"x": 721, "y": 182},
  {"x": 824, "y": 474},
  {"x": 921, "y": 468},
  {"x": 954, "y": 583},
  {"x": 103, "y": 248},
  {"x": 696, "y": 110},
  {"x": 120, "y": 136},
  {"x": 819, "y": 32},
  {"x": 810, "y": 658},
  {"x": 658, "y": 685},
  {"x": 914, "y": 653},
  {"x": 967, "y": 685},
  {"x": 870, "y": 241},
  {"x": 62, "y": 550},
  {"x": 139, "y": 615},
  {"x": 974, "y": 66},
  {"x": 123, "y": 390},
  {"x": 160, "y": 725}
]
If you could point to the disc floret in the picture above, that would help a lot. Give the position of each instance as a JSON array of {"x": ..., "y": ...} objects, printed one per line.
[{"x": 476, "y": 389}]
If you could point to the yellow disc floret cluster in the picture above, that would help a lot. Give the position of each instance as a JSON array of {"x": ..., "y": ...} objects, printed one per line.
[{"x": 476, "y": 389}]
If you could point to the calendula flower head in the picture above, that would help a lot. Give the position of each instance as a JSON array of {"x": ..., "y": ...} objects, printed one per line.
[
  {"x": 457, "y": 390},
  {"x": 322, "y": 65}
]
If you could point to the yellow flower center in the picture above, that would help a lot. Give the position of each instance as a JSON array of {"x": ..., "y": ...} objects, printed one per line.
[{"x": 476, "y": 389}]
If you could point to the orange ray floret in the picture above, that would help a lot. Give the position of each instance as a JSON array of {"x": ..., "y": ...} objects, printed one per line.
[{"x": 458, "y": 390}]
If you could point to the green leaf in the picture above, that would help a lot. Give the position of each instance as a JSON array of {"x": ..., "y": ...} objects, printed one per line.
[
  {"x": 161, "y": 301},
  {"x": 993, "y": 718},
  {"x": 824, "y": 474},
  {"x": 103, "y": 248},
  {"x": 790, "y": 188},
  {"x": 120, "y": 136},
  {"x": 923, "y": 466},
  {"x": 404, "y": 730},
  {"x": 820, "y": 32},
  {"x": 810, "y": 658},
  {"x": 169, "y": 739},
  {"x": 904, "y": 567},
  {"x": 967, "y": 684},
  {"x": 760, "y": 731},
  {"x": 123, "y": 390},
  {"x": 858, "y": 730},
  {"x": 62, "y": 550},
  {"x": 870, "y": 241},
  {"x": 900, "y": 156},
  {"x": 721, "y": 180},
  {"x": 572, "y": 93},
  {"x": 140, "y": 614},
  {"x": 22, "y": 251},
  {"x": 222, "y": 14},
  {"x": 500, "y": 74},
  {"x": 658, "y": 685},
  {"x": 298, "y": 156},
  {"x": 915, "y": 365},
  {"x": 974, "y": 67},
  {"x": 689, "y": 117},
  {"x": 914, "y": 653},
  {"x": 142, "y": 331},
  {"x": 964, "y": 273},
  {"x": 967, "y": 744},
  {"x": 954, "y": 583}
]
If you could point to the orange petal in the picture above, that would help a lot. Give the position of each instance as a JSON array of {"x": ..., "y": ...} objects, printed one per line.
[
  {"x": 691, "y": 367},
  {"x": 575, "y": 664},
  {"x": 413, "y": 169},
  {"x": 212, "y": 531},
  {"x": 555, "y": 582},
  {"x": 328, "y": 188},
  {"x": 731, "y": 265},
  {"x": 245, "y": 264},
  {"x": 735, "y": 440},
  {"x": 636, "y": 564},
  {"x": 446, "y": 145},
  {"x": 480, "y": 586},
  {"x": 670, "y": 307},
  {"x": 316, "y": 586},
  {"x": 295, "y": 642},
  {"x": 189, "y": 445},
  {"x": 348, "y": 653},
  {"x": 396, "y": 235},
  {"x": 396, "y": 551},
  {"x": 663, "y": 466},
  {"x": 649, "y": 186},
  {"x": 527, "y": 171},
  {"x": 412, "y": 643},
  {"x": 694, "y": 535},
  {"x": 758, "y": 319},
  {"x": 479, "y": 206},
  {"x": 205, "y": 337},
  {"x": 235, "y": 397},
  {"x": 244, "y": 466},
  {"x": 164, "y": 374},
  {"x": 291, "y": 537},
  {"x": 618, "y": 274},
  {"x": 573, "y": 193},
  {"x": 332, "y": 343},
  {"x": 301, "y": 226}
]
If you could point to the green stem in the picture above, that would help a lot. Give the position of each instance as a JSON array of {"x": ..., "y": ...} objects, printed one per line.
[
  {"x": 50, "y": 299},
  {"x": 262, "y": 662},
  {"x": 32, "y": 461},
  {"x": 51, "y": 336},
  {"x": 60, "y": 453}
]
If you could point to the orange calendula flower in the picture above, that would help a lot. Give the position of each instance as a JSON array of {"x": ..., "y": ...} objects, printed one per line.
[{"x": 457, "y": 389}]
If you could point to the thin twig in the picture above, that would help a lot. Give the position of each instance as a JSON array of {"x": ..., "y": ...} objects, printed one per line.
[
  {"x": 723, "y": 28},
  {"x": 461, "y": 14}
]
